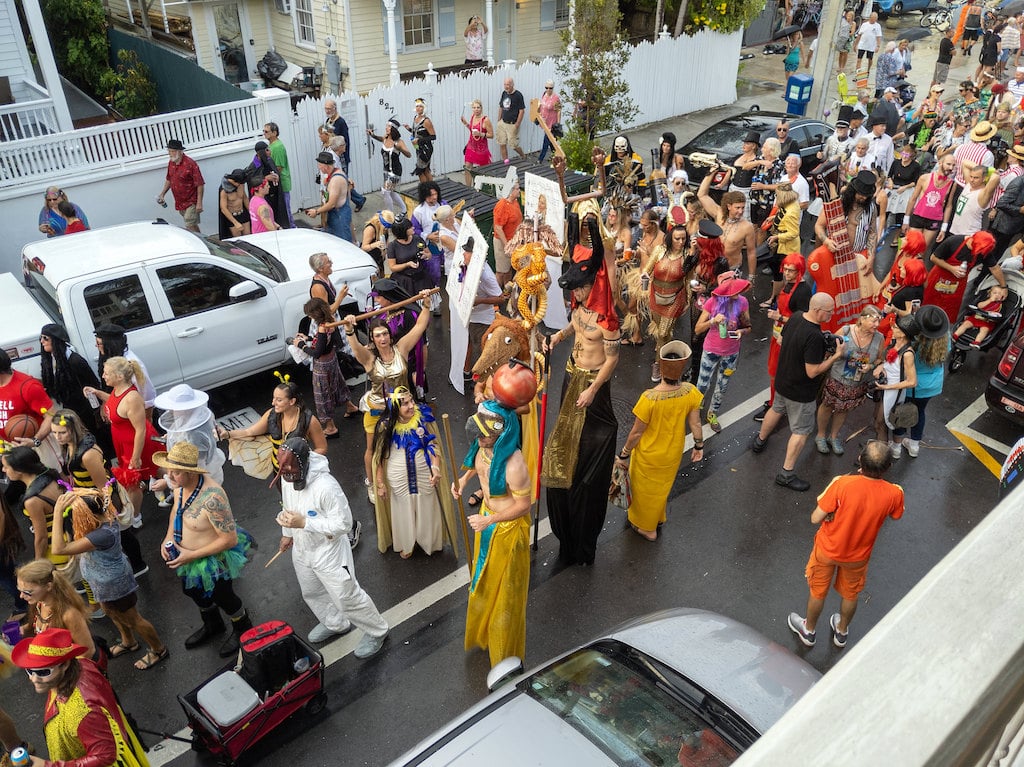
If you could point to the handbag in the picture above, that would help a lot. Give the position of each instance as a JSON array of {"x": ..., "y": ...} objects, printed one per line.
[
  {"x": 620, "y": 494},
  {"x": 124, "y": 506},
  {"x": 903, "y": 414}
]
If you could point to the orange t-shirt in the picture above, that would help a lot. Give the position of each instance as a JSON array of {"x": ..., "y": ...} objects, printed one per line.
[
  {"x": 861, "y": 505},
  {"x": 508, "y": 216}
]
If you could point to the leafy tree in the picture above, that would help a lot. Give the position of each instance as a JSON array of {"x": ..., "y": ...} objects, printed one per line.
[
  {"x": 78, "y": 36},
  {"x": 131, "y": 91},
  {"x": 591, "y": 71},
  {"x": 716, "y": 15}
]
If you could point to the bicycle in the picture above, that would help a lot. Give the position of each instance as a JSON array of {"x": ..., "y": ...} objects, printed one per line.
[{"x": 938, "y": 17}]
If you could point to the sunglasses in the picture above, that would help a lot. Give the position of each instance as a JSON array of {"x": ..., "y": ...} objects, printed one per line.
[
  {"x": 782, "y": 130},
  {"x": 52, "y": 199},
  {"x": 44, "y": 338},
  {"x": 42, "y": 673},
  {"x": 548, "y": 88}
]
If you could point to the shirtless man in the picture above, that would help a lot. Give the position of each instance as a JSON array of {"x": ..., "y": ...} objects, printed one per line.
[
  {"x": 737, "y": 233},
  {"x": 208, "y": 545},
  {"x": 496, "y": 614},
  {"x": 578, "y": 469},
  {"x": 234, "y": 205}
]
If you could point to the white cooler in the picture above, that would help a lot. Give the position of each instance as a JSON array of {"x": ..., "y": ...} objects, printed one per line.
[{"x": 227, "y": 698}]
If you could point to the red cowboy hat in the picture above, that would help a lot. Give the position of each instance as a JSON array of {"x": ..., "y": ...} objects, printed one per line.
[
  {"x": 49, "y": 648},
  {"x": 729, "y": 285}
]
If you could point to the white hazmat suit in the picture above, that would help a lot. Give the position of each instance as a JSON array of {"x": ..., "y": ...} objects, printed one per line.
[{"x": 322, "y": 556}]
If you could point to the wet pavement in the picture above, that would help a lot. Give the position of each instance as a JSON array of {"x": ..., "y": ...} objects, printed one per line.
[{"x": 734, "y": 543}]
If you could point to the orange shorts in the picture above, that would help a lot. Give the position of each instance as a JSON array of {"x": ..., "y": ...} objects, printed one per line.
[{"x": 849, "y": 576}]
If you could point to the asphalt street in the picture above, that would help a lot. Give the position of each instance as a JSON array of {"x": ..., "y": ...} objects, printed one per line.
[{"x": 734, "y": 543}]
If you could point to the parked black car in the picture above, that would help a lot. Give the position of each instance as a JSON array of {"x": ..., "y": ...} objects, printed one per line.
[
  {"x": 1005, "y": 390},
  {"x": 725, "y": 139}
]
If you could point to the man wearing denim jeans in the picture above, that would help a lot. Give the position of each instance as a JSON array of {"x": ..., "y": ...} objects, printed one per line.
[{"x": 727, "y": 316}]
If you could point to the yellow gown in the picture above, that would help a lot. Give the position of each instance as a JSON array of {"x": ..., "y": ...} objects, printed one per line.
[
  {"x": 496, "y": 613},
  {"x": 655, "y": 460}
]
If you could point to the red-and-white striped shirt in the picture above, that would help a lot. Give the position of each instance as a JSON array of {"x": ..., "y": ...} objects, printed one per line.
[
  {"x": 977, "y": 153},
  {"x": 1005, "y": 177}
]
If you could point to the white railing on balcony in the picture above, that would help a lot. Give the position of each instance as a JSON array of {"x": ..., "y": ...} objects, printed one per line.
[
  {"x": 27, "y": 120},
  {"x": 119, "y": 144}
]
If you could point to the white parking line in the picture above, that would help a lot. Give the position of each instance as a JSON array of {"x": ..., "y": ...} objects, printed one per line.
[
  {"x": 334, "y": 651},
  {"x": 963, "y": 420},
  {"x": 167, "y": 750}
]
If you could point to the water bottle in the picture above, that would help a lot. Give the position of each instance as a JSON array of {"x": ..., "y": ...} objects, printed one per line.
[
  {"x": 163, "y": 203},
  {"x": 20, "y": 757},
  {"x": 94, "y": 401}
]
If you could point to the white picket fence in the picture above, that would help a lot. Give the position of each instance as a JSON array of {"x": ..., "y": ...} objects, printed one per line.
[{"x": 673, "y": 76}]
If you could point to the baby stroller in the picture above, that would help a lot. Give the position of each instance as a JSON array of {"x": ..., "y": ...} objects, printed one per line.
[
  {"x": 905, "y": 92},
  {"x": 280, "y": 674},
  {"x": 1006, "y": 321}
]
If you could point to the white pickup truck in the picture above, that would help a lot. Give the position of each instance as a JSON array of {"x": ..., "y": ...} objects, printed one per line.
[{"x": 197, "y": 310}]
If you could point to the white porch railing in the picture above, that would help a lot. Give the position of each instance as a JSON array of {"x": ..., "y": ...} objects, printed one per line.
[
  {"x": 119, "y": 144},
  {"x": 30, "y": 116}
]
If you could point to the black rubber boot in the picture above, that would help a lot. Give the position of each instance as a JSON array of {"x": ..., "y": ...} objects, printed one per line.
[
  {"x": 213, "y": 625},
  {"x": 239, "y": 626}
]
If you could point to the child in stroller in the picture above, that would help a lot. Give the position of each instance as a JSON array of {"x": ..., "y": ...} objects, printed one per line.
[
  {"x": 1000, "y": 323},
  {"x": 983, "y": 316}
]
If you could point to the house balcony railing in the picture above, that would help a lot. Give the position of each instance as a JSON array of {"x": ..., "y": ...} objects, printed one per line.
[
  {"x": 108, "y": 147},
  {"x": 32, "y": 114}
]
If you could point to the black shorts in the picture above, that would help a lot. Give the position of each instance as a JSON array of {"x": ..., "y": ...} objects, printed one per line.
[
  {"x": 925, "y": 224},
  {"x": 123, "y": 604},
  {"x": 970, "y": 34},
  {"x": 861, "y": 53}
]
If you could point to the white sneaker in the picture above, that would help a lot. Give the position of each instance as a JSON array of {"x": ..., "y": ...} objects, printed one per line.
[
  {"x": 896, "y": 449},
  {"x": 137, "y": 521},
  {"x": 913, "y": 447}
]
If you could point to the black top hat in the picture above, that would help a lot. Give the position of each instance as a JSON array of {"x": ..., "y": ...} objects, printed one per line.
[
  {"x": 752, "y": 137},
  {"x": 845, "y": 115},
  {"x": 864, "y": 182}
]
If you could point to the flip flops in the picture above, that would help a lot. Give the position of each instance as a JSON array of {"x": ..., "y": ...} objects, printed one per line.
[{"x": 475, "y": 499}]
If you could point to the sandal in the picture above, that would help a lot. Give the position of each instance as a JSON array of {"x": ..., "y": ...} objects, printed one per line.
[
  {"x": 119, "y": 649},
  {"x": 151, "y": 658},
  {"x": 476, "y": 499}
]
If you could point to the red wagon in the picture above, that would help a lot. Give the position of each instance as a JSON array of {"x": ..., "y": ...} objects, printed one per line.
[{"x": 234, "y": 709}]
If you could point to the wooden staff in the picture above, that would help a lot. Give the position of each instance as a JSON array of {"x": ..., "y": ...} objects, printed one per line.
[
  {"x": 453, "y": 469},
  {"x": 268, "y": 564},
  {"x": 535, "y": 115},
  {"x": 360, "y": 317}
]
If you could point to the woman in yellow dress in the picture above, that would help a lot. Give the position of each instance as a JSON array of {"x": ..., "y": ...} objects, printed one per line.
[{"x": 654, "y": 446}]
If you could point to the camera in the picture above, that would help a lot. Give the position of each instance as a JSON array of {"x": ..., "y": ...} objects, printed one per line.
[
  {"x": 873, "y": 384},
  {"x": 831, "y": 343},
  {"x": 999, "y": 149}
]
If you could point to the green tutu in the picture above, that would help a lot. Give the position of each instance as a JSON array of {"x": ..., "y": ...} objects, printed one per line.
[{"x": 226, "y": 566}]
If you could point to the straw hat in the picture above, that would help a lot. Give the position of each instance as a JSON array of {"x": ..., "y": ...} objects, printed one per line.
[{"x": 184, "y": 456}]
